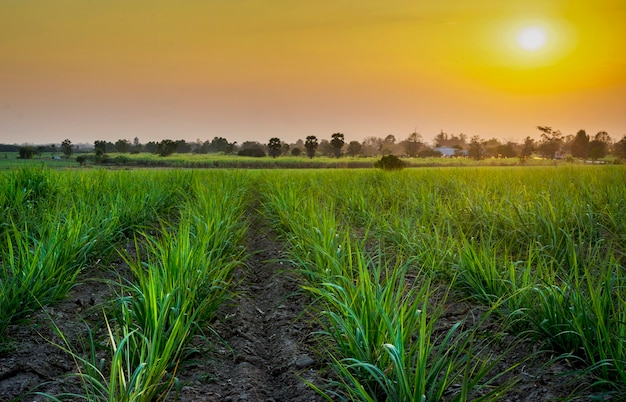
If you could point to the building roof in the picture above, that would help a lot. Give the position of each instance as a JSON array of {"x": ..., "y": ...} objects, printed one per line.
[{"x": 449, "y": 151}]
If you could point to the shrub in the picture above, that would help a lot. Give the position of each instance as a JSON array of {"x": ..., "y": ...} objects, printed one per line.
[
  {"x": 389, "y": 162},
  {"x": 254, "y": 152},
  {"x": 26, "y": 152},
  {"x": 429, "y": 153}
]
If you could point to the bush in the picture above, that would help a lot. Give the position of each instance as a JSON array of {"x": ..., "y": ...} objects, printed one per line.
[
  {"x": 254, "y": 152},
  {"x": 429, "y": 153},
  {"x": 27, "y": 152},
  {"x": 389, "y": 162},
  {"x": 121, "y": 160}
]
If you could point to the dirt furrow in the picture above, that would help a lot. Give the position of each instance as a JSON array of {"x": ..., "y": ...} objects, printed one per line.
[{"x": 265, "y": 351}]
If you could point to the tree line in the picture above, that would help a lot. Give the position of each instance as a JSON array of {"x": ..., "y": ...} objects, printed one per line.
[{"x": 551, "y": 144}]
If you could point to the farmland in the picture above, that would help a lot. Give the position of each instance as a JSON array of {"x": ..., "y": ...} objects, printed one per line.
[
  {"x": 462, "y": 283},
  {"x": 202, "y": 161}
]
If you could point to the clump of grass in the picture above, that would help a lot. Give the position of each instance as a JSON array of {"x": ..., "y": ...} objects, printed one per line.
[
  {"x": 384, "y": 345},
  {"x": 178, "y": 286},
  {"x": 40, "y": 271}
]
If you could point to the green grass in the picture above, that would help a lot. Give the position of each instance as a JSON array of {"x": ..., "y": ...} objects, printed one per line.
[
  {"x": 177, "y": 285},
  {"x": 540, "y": 247},
  {"x": 377, "y": 323},
  {"x": 543, "y": 247},
  {"x": 10, "y": 161}
]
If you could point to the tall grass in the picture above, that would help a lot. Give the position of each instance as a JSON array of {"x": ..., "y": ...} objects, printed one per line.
[
  {"x": 37, "y": 272},
  {"x": 384, "y": 341},
  {"x": 54, "y": 224},
  {"x": 374, "y": 309},
  {"x": 543, "y": 247},
  {"x": 177, "y": 284}
]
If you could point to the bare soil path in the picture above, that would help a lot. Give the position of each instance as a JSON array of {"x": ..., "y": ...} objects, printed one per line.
[{"x": 266, "y": 344}]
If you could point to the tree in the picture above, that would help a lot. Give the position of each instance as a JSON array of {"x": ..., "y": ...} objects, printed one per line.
[
  {"x": 527, "y": 149},
  {"x": 251, "y": 148},
  {"x": 296, "y": 151},
  {"x": 182, "y": 147},
  {"x": 619, "y": 149},
  {"x": 388, "y": 145},
  {"x": 372, "y": 146},
  {"x": 507, "y": 150},
  {"x": 166, "y": 147},
  {"x": 151, "y": 147},
  {"x": 413, "y": 144},
  {"x": 551, "y": 141},
  {"x": 604, "y": 137},
  {"x": 337, "y": 141},
  {"x": 325, "y": 148},
  {"x": 390, "y": 140},
  {"x": 201, "y": 147},
  {"x": 136, "y": 148},
  {"x": 99, "y": 157},
  {"x": 580, "y": 145},
  {"x": 122, "y": 146},
  {"x": 599, "y": 147},
  {"x": 490, "y": 148},
  {"x": 67, "y": 148},
  {"x": 251, "y": 145},
  {"x": 298, "y": 144},
  {"x": 441, "y": 139},
  {"x": 597, "y": 150},
  {"x": 81, "y": 159},
  {"x": 444, "y": 140},
  {"x": 100, "y": 145},
  {"x": 232, "y": 146},
  {"x": 475, "y": 148},
  {"x": 219, "y": 144},
  {"x": 354, "y": 148},
  {"x": 311, "y": 145},
  {"x": 274, "y": 147}
]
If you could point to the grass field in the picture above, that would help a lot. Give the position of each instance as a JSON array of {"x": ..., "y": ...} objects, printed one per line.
[
  {"x": 384, "y": 257},
  {"x": 202, "y": 161}
]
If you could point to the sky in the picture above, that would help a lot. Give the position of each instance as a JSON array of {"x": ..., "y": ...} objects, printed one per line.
[{"x": 250, "y": 70}]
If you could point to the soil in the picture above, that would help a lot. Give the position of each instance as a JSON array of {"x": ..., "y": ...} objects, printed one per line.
[{"x": 260, "y": 347}]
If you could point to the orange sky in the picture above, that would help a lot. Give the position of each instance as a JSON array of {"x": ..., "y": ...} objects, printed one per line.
[{"x": 256, "y": 69}]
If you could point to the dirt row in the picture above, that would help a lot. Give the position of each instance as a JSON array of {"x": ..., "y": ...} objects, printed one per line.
[{"x": 267, "y": 347}]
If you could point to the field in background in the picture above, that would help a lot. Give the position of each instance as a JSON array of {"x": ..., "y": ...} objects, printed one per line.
[
  {"x": 385, "y": 256},
  {"x": 10, "y": 161}
]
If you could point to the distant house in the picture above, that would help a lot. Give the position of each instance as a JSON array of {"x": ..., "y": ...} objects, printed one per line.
[
  {"x": 448, "y": 152},
  {"x": 56, "y": 158}
]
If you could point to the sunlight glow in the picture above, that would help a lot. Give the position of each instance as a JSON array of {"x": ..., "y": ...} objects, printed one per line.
[{"x": 532, "y": 38}]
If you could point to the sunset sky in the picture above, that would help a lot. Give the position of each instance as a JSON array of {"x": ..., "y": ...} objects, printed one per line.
[{"x": 256, "y": 69}]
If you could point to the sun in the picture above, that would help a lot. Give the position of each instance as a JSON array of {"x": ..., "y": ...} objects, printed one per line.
[{"x": 532, "y": 38}]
